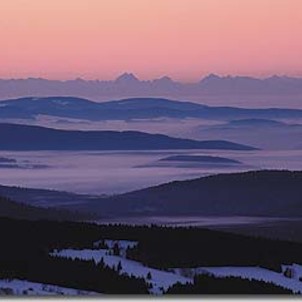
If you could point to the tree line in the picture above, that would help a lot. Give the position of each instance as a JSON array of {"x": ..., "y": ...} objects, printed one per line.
[{"x": 210, "y": 285}]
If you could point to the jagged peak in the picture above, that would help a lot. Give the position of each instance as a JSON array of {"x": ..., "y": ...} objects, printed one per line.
[
  {"x": 210, "y": 77},
  {"x": 127, "y": 77}
]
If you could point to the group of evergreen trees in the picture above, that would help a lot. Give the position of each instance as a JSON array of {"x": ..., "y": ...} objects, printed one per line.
[
  {"x": 194, "y": 247},
  {"x": 75, "y": 273},
  {"x": 210, "y": 285}
]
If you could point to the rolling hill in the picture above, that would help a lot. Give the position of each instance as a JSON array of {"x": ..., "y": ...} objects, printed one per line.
[
  {"x": 23, "y": 137},
  {"x": 256, "y": 193}
]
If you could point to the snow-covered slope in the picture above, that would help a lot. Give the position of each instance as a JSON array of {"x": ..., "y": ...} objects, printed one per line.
[
  {"x": 160, "y": 280},
  {"x": 23, "y": 287}
]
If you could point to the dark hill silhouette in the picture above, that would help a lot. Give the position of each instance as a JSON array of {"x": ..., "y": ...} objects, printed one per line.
[
  {"x": 255, "y": 193},
  {"x": 23, "y": 137},
  {"x": 16, "y": 210}
]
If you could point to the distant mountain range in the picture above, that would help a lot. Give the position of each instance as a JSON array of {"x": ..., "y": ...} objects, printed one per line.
[
  {"x": 128, "y": 85},
  {"x": 255, "y": 193},
  {"x": 127, "y": 109},
  {"x": 23, "y": 137}
]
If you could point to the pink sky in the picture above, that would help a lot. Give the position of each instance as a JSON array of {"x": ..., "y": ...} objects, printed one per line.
[{"x": 185, "y": 39}]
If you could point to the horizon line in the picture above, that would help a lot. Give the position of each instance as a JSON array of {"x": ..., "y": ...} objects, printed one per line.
[{"x": 134, "y": 77}]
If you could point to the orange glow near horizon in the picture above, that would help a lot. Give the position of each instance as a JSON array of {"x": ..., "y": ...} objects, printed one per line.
[{"x": 184, "y": 39}]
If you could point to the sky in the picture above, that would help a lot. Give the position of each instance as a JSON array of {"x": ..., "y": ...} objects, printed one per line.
[{"x": 184, "y": 39}]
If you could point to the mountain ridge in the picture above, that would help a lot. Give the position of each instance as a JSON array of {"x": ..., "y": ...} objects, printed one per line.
[
  {"x": 131, "y": 108},
  {"x": 25, "y": 137}
]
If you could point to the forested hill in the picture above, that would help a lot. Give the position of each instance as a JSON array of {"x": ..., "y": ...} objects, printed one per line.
[
  {"x": 254, "y": 193},
  {"x": 12, "y": 209}
]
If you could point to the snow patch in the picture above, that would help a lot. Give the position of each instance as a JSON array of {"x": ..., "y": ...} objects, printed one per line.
[{"x": 23, "y": 287}]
